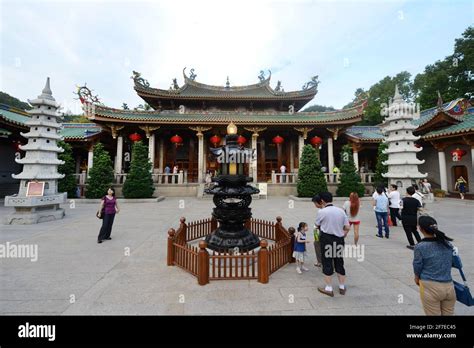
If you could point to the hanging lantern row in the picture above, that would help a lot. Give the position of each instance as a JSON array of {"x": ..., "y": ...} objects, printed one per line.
[
  {"x": 215, "y": 139},
  {"x": 241, "y": 140},
  {"x": 278, "y": 140},
  {"x": 316, "y": 141},
  {"x": 135, "y": 137},
  {"x": 457, "y": 154}
]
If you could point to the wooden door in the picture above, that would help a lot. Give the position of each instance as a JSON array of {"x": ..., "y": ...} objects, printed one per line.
[{"x": 460, "y": 171}]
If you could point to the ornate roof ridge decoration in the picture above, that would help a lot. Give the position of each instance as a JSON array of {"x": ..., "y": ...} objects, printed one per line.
[
  {"x": 454, "y": 109},
  {"x": 139, "y": 80},
  {"x": 85, "y": 95},
  {"x": 309, "y": 89}
]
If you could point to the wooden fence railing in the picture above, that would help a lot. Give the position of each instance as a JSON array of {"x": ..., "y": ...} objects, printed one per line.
[{"x": 218, "y": 266}]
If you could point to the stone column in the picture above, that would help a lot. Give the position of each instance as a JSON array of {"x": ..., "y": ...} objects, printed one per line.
[
  {"x": 162, "y": 155},
  {"x": 443, "y": 175},
  {"x": 472, "y": 157},
  {"x": 292, "y": 157},
  {"x": 200, "y": 136},
  {"x": 300, "y": 146},
  {"x": 356, "y": 159},
  {"x": 151, "y": 151},
  {"x": 119, "y": 156},
  {"x": 200, "y": 157},
  {"x": 90, "y": 159},
  {"x": 254, "y": 164},
  {"x": 254, "y": 159},
  {"x": 330, "y": 155},
  {"x": 301, "y": 138}
]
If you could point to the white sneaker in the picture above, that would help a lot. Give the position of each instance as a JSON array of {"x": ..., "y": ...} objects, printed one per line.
[
  {"x": 304, "y": 268},
  {"x": 298, "y": 270}
]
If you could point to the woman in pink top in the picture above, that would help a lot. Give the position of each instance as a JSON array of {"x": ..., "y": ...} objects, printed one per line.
[{"x": 108, "y": 207}]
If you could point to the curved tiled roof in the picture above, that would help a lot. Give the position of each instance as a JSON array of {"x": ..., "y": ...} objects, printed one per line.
[
  {"x": 224, "y": 117},
  {"x": 70, "y": 131},
  {"x": 428, "y": 114},
  {"x": 193, "y": 89},
  {"x": 366, "y": 133},
  {"x": 466, "y": 126}
]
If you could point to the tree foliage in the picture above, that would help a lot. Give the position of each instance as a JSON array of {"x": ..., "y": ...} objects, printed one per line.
[
  {"x": 380, "y": 168},
  {"x": 349, "y": 178},
  {"x": 311, "y": 179},
  {"x": 319, "y": 108},
  {"x": 139, "y": 183},
  {"x": 101, "y": 175},
  {"x": 5, "y": 98},
  {"x": 68, "y": 183}
]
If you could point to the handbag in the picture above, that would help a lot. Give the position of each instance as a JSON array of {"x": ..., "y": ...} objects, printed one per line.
[
  {"x": 102, "y": 213},
  {"x": 463, "y": 294}
]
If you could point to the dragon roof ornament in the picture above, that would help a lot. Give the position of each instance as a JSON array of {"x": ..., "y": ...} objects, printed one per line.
[{"x": 139, "y": 80}]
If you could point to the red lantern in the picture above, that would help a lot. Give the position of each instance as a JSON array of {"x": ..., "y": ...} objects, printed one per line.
[
  {"x": 417, "y": 146},
  {"x": 316, "y": 141},
  {"x": 135, "y": 137},
  {"x": 457, "y": 154},
  {"x": 215, "y": 139},
  {"x": 176, "y": 139},
  {"x": 278, "y": 140},
  {"x": 241, "y": 140}
]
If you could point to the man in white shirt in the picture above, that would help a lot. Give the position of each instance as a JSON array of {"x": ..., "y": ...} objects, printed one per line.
[
  {"x": 394, "y": 199},
  {"x": 333, "y": 224},
  {"x": 283, "y": 173},
  {"x": 418, "y": 195}
]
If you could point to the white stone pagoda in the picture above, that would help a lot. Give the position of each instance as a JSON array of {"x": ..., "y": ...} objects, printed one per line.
[
  {"x": 398, "y": 130},
  {"x": 40, "y": 166}
]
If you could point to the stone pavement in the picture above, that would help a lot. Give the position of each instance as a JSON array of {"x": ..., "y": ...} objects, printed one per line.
[{"x": 75, "y": 275}]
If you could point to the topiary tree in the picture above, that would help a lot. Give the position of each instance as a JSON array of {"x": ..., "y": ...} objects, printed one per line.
[
  {"x": 349, "y": 179},
  {"x": 139, "y": 183},
  {"x": 311, "y": 179},
  {"x": 68, "y": 183},
  {"x": 380, "y": 168},
  {"x": 101, "y": 175}
]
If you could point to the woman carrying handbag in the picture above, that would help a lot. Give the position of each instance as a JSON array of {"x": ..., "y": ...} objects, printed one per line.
[{"x": 107, "y": 210}]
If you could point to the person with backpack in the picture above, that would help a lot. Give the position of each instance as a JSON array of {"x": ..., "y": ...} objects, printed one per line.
[{"x": 432, "y": 262}]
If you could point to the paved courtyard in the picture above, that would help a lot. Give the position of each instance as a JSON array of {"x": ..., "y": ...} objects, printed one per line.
[{"x": 128, "y": 275}]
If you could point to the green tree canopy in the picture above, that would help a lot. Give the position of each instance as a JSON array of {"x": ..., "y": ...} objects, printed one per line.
[
  {"x": 101, "y": 175},
  {"x": 311, "y": 179},
  {"x": 68, "y": 183},
  {"x": 349, "y": 178},
  {"x": 453, "y": 76},
  {"x": 139, "y": 182},
  {"x": 380, "y": 93},
  {"x": 380, "y": 168},
  {"x": 5, "y": 98},
  {"x": 319, "y": 108}
]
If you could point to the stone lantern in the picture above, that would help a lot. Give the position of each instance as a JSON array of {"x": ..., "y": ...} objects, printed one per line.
[{"x": 232, "y": 197}]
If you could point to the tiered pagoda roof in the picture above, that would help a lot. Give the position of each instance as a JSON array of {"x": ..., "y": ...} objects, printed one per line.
[{"x": 200, "y": 95}]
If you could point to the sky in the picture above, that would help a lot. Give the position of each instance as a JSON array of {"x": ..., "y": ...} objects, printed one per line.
[{"x": 348, "y": 44}]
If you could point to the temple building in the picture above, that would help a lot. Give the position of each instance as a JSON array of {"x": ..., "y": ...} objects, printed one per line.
[{"x": 184, "y": 121}]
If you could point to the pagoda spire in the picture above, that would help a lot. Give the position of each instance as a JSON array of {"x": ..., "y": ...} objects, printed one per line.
[
  {"x": 46, "y": 93},
  {"x": 397, "y": 96}
]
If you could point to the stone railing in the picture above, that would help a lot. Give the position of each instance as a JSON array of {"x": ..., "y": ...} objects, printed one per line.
[
  {"x": 366, "y": 178},
  {"x": 159, "y": 179},
  {"x": 80, "y": 178},
  {"x": 287, "y": 178}
]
